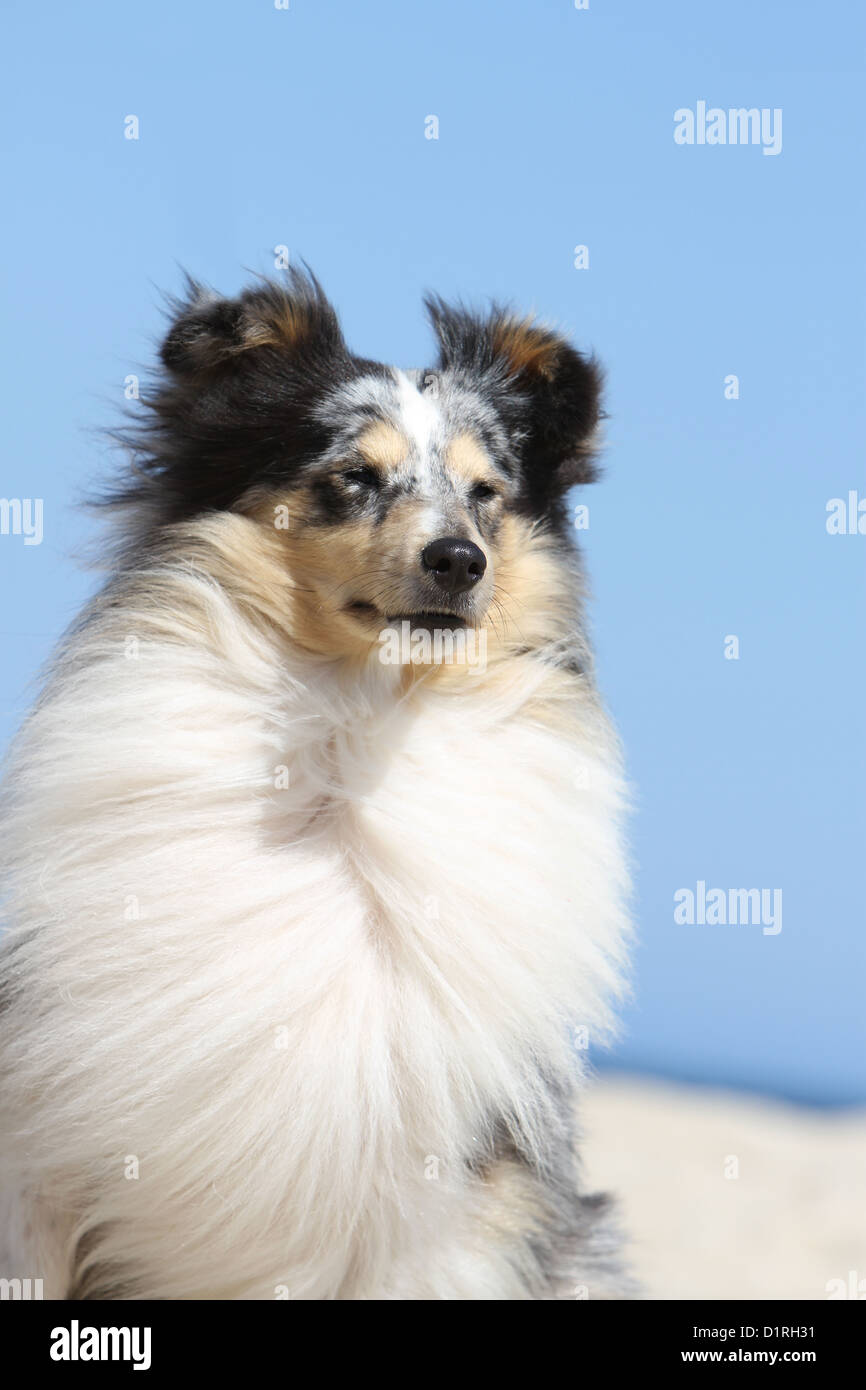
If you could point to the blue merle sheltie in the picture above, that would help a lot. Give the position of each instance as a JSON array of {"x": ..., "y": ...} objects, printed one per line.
[{"x": 303, "y": 946}]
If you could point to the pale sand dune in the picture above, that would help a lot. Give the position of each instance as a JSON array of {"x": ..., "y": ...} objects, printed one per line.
[{"x": 794, "y": 1218}]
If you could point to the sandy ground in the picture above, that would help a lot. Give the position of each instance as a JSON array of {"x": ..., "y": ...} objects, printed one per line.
[{"x": 731, "y": 1196}]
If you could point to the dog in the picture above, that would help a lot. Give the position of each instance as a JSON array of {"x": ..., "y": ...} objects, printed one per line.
[{"x": 303, "y": 946}]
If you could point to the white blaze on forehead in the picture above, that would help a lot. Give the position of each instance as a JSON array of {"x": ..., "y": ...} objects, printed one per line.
[{"x": 420, "y": 418}]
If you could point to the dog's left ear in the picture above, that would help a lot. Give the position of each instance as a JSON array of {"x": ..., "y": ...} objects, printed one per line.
[{"x": 548, "y": 393}]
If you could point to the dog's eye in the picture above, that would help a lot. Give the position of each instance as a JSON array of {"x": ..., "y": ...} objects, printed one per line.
[
  {"x": 361, "y": 477},
  {"x": 483, "y": 492}
]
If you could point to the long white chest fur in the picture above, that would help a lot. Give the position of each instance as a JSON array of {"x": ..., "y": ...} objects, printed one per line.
[{"x": 289, "y": 943}]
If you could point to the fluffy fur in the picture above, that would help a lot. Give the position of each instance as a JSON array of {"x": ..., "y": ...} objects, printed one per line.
[{"x": 298, "y": 943}]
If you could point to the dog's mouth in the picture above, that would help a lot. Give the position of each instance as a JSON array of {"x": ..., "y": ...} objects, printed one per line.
[
  {"x": 428, "y": 620},
  {"x": 425, "y": 619}
]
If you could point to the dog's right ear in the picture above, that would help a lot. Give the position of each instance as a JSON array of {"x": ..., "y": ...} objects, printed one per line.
[
  {"x": 236, "y": 402},
  {"x": 284, "y": 318},
  {"x": 206, "y": 330}
]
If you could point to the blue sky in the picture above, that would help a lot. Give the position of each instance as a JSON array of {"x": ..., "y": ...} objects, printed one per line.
[{"x": 305, "y": 128}]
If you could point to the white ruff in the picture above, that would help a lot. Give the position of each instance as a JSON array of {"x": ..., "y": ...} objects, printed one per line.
[{"x": 292, "y": 1005}]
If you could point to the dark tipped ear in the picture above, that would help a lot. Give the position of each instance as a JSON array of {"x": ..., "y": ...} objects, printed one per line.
[
  {"x": 205, "y": 331},
  {"x": 547, "y": 392},
  {"x": 209, "y": 331},
  {"x": 236, "y": 404}
]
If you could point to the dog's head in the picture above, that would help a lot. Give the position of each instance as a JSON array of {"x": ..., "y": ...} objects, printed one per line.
[{"x": 429, "y": 496}]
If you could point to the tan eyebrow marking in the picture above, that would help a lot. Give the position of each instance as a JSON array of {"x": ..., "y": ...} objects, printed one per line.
[
  {"x": 382, "y": 444},
  {"x": 465, "y": 456}
]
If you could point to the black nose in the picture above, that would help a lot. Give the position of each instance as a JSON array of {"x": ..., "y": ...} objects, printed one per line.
[{"x": 454, "y": 564}]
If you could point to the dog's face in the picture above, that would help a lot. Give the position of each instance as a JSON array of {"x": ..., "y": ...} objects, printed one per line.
[
  {"x": 393, "y": 495},
  {"x": 399, "y": 517}
]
